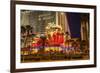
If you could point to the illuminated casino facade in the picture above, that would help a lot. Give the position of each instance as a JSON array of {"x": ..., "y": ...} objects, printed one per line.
[{"x": 52, "y": 34}]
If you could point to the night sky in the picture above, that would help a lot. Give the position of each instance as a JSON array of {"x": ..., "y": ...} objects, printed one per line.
[{"x": 74, "y": 20}]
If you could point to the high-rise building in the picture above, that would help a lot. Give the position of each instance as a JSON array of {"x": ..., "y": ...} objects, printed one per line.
[
  {"x": 62, "y": 20},
  {"x": 39, "y": 20},
  {"x": 85, "y": 27}
]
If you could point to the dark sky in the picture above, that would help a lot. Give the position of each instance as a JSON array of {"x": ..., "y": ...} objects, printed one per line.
[{"x": 74, "y": 24}]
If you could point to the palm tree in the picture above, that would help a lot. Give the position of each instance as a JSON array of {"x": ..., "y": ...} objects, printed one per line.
[
  {"x": 43, "y": 39},
  {"x": 67, "y": 39},
  {"x": 23, "y": 31},
  {"x": 29, "y": 29}
]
